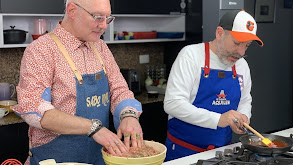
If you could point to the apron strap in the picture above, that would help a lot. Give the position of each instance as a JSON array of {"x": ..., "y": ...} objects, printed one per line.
[
  {"x": 71, "y": 63},
  {"x": 187, "y": 145},
  {"x": 234, "y": 72},
  {"x": 65, "y": 53},
  {"x": 99, "y": 57},
  {"x": 207, "y": 62}
]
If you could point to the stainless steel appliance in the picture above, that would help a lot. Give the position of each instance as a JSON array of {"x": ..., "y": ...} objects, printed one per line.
[{"x": 132, "y": 78}]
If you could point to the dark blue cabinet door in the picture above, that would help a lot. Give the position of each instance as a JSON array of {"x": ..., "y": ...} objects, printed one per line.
[{"x": 146, "y": 6}]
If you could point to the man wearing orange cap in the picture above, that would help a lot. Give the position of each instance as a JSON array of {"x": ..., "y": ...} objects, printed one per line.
[{"x": 208, "y": 90}]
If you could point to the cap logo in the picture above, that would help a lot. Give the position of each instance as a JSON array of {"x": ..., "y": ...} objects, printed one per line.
[{"x": 250, "y": 25}]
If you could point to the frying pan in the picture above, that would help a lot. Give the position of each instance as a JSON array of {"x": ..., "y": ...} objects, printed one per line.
[{"x": 245, "y": 140}]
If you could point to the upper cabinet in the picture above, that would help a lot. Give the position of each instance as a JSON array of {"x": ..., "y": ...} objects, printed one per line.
[
  {"x": 32, "y": 6},
  {"x": 148, "y": 6},
  {"x": 163, "y": 24}
]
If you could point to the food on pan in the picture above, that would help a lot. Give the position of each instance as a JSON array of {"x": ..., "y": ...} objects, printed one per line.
[
  {"x": 144, "y": 151},
  {"x": 277, "y": 143}
]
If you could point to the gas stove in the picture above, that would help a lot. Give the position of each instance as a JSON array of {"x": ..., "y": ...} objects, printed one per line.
[
  {"x": 210, "y": 157},
  {"x": 241, "y": 156}
]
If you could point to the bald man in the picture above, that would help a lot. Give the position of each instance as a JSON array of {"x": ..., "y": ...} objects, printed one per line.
[{"x": 69, "y": 83}]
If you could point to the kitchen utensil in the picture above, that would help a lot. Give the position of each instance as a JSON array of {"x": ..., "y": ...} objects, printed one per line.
[
  {"x": 53, "y": 162},
  {"x": 266, "y": 141},
  {"x": 127, "y": 37},
  {"x": 161, "y": 90},
  {"x": 120, "y": 36},
  {"x": 151, "y": 160},
  {"x": 5, "y": 91},
  {"x": 7, "y": 104},
  {"x": 48, "y": 162},
  {"x": 170, "y": 34},
  {"x": 153, "y": 94},
  {"x": 41, "y": 26},
  {"x": 145, "y": 35},
  {"x": 266, "y": 151},
  {"x": 14, "y": 36},
  {"x": 3, "y": 112}
]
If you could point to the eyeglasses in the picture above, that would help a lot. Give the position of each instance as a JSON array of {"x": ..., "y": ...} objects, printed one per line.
[{"x": 99, "y": 19}]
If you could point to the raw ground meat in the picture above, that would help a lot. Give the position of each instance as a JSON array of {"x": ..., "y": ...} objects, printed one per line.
[{"x": 144, "y": 151}]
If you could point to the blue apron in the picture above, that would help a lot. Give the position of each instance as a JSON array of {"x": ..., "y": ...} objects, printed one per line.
[
  {"x": 219, "y": 91},
  {"x": 92, "y": 103}
]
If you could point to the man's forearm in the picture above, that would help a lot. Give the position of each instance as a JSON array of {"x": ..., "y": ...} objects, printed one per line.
[{"x": 63, "y": 123}]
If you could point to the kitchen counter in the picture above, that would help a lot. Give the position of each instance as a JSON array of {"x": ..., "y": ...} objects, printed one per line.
[
  {"x": 144, "y": 99},
  {"x": 211, "y": 153},
  {"x": 11, "y": 118}
]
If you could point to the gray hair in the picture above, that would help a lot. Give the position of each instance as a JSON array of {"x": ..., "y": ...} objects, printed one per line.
[{"x": 78, "y": 1}]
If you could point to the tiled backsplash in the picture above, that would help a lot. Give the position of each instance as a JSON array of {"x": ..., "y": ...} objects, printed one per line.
[{"x": 126, "y": 56}]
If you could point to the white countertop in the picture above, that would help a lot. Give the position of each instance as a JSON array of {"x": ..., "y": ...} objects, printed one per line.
[{"x": 211, "y": 153}]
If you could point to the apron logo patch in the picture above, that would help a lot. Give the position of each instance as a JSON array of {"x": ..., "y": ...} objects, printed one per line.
[
  {"x": 221, "y": 100},
  {"x": 98, "y": 76},
  {"x": 95, "y": 101},
  {"x": 221, "y": 74}
]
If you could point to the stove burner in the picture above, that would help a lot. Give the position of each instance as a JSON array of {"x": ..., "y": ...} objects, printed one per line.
[
  {"x": 259, "y": 158},
  {"x": 242, "y": 156},
  {"x": 210, "y": 162}
]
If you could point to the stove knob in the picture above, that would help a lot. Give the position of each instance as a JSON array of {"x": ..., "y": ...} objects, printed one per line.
[
  {"x": 228, "y": 152},
  {"x": 236, "y": 149},
  {"x": 219, "y": 154}
]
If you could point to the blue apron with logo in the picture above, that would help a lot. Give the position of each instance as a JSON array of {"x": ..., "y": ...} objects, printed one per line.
[
  {"x": 93, "y": 102},
  {"x": 219, "y": 91}
]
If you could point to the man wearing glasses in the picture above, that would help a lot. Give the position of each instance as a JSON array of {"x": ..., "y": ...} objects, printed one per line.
[{"x": 69, "y": 83}]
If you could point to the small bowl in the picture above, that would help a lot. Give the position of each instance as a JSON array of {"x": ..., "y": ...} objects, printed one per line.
[
  {"x": 7, "y": 104},
  {"x": 153, "y": 94},
  {"x": 36, "y": 36}
]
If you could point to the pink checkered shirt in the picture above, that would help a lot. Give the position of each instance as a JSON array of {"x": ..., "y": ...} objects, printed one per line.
[{"x": 43, "y": 65}]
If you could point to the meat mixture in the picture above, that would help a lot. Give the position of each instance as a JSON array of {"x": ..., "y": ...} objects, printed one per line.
[
  {"x": 144, "y": 151},
  {"x": 134, "y": 152}
]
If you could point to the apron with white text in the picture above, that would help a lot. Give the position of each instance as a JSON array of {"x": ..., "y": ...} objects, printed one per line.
[
  {"x": 219, "y": 91},
  {"x": 93, "y": 102}
]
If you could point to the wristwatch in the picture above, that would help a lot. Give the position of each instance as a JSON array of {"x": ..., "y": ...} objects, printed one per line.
[{"x": 97, "y": 125}]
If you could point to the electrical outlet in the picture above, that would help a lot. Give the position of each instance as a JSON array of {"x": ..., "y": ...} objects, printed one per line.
[{"x": 144, "y": 59}]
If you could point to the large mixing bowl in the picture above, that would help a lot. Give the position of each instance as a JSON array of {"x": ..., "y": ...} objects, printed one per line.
[{"x": 151, "y": 160}]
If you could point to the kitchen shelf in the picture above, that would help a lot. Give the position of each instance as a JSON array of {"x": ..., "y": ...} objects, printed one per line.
[
  {"x": 122, "y": 22},
  {"x": 24, "y": 22}
]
